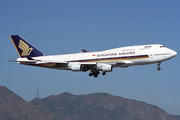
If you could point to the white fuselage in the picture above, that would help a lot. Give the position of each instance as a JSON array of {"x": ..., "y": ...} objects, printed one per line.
[{"x": 118, "y": 57}]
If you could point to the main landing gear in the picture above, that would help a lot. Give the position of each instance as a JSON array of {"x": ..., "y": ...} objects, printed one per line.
[
  {"x": 96, "y": 73},
  {"x": 158, "y": 68}
]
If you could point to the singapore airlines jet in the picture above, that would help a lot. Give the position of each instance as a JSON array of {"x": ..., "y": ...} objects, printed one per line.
[{"x": 103, "y": 61}]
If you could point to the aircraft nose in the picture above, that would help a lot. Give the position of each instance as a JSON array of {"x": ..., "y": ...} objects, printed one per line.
[{"x": 174, "y": 53}]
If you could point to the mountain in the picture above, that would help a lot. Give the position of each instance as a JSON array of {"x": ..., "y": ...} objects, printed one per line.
[
  {"x": 66, "y": 106},
  {"x": 12, "y": 107},
  {"x": 100, "y": 106}
]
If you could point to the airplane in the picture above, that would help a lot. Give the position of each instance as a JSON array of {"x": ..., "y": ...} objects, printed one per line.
[{"x": 94, "y": 62}]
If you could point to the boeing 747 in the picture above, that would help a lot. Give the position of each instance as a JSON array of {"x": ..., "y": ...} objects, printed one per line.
[{"x": 94, "y": 62}]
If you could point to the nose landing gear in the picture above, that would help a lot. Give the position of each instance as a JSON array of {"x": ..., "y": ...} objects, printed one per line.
[{"x": 158, "y": 68}]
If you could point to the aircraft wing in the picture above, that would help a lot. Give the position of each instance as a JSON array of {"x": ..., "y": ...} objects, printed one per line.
[{"x": 74, "y": 66}]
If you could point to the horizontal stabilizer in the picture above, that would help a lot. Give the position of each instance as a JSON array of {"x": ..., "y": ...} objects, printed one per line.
[
  {"x": 39, "y": 61},
  {"x": 25, "y": 61}
]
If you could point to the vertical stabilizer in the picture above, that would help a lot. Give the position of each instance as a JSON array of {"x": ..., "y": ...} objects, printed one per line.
[{"x": 24, "y": 48}]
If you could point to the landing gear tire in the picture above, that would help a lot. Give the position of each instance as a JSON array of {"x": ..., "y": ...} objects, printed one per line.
[
  {"x": 104, "y": 73},
  {"x": 96, "y": 75},
  {"x": 158, "y": 69},
  {"x": 90, "y": 74}
]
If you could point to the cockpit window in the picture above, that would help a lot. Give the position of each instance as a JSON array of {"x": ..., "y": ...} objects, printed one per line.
[{"x": 162, "y": 46}]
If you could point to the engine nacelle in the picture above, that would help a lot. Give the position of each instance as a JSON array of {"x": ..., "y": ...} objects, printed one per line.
[
  {"x": 105, "y": 67},
  {"x": 76, "y": 67}
]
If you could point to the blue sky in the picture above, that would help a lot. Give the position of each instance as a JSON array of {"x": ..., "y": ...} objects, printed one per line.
[{"x": 60, "y": 27}]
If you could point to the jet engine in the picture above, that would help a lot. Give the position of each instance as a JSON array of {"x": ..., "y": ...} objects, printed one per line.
[
  {"x": 76, "y": 67},
  {"x": 105, "y": 67}
]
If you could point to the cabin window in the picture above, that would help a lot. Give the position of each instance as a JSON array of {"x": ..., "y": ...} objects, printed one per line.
[
  {"x": 147, "y": 46},
  {"x": 128, "y": 50},
  {"x": 162, "y": 46}
]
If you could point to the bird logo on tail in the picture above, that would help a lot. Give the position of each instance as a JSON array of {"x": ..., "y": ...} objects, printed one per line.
[{"x": 25, "y": 48}]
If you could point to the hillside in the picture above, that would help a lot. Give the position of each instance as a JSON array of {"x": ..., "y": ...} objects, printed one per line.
[
  {"x": 96, "y": 106},
  {"x": 12, "y": 107}
]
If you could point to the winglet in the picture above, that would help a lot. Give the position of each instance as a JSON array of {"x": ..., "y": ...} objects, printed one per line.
[
  {"x": 24, "y": 48},
  {"x": 83, "y": 50}
]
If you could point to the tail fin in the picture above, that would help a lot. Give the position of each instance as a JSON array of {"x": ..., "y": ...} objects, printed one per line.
[
  {"x": 83, "y": 50},
  {"x": 24, "y": 48}
]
